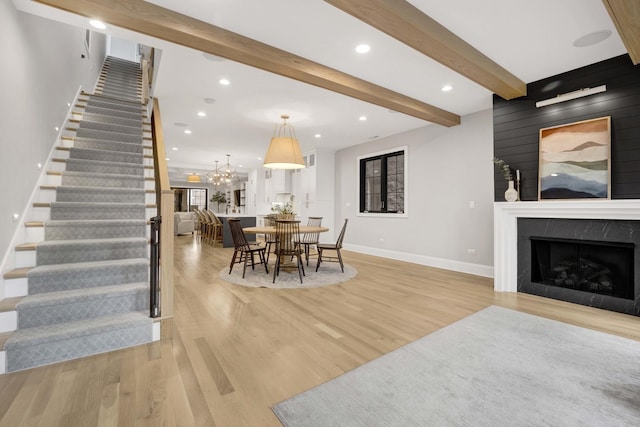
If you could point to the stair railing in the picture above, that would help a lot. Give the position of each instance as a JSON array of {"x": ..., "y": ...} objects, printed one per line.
[
  {"x": 154, "y": 295},
  {"x": 164, "y": 202}
]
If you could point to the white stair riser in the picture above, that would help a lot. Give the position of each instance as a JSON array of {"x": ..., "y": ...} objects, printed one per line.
[
  {"x": 62, "y": 154},
  {"x": 16, "y": 287},
  {"x": 25, "y": 259},
  {"x": 40, "y": 214},
  {"x": 53, "y": 180},
  {"x": 47, "y": 196},
  {"x": 34, "y": 234},
  {"x": 8, "y": 321},
  {"x": 57, "y": 167}
]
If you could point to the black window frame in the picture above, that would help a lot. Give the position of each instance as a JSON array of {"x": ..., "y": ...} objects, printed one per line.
[{"x": 383, "y": 157}]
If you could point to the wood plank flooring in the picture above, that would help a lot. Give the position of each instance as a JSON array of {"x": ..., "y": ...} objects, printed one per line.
[{"x": 237, "y": 351}]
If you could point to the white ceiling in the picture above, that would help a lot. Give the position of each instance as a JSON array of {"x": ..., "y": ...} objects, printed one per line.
[{"x": 531, "y": 39}]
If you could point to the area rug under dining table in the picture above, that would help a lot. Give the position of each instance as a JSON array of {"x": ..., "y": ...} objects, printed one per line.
[
  {"x": 496, "y": 367},
  {"x": 327, "y": 274}
]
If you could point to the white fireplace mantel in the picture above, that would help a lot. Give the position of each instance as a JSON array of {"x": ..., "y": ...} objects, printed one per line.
[{"x": 505, "y": 228}]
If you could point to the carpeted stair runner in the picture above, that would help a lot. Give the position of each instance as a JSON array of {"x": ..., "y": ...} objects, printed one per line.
[{"x": 89, "y": 290}]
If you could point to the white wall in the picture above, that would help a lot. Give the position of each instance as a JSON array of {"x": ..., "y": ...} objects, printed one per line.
[
  {"x": 41, "y": 70},
  {"x": 448, "y": 169},
  {"x": 125, "y": 49}
]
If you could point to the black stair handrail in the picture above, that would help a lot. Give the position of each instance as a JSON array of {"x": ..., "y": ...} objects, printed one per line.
[{"x": 154, "y": 288}]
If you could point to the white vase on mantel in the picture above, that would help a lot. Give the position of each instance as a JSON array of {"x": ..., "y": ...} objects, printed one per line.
[{"x": 511, "y": 195}]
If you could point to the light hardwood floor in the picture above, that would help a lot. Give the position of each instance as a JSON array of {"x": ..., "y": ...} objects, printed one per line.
[{"x": 237, "y": 351}]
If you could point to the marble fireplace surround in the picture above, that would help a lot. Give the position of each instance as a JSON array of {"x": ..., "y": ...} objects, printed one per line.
[{"x": 505, "y": 228}]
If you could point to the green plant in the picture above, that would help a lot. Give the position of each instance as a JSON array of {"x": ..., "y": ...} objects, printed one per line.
[
  {"x": 503, "y": 168},
  {"x": 218, "y": 198},
  {"x": 287, "y": 208}
]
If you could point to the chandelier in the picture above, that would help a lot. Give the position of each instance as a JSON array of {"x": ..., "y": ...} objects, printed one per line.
[
  {"x": 228, "y": 174},
  {"x": 215, "y": 177},
  {"x": 284, "y": 150},
  {"x": 223, "y": 176}
]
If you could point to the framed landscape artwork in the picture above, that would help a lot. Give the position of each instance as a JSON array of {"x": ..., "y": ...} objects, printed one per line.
[{"x": 575, "y": 160}]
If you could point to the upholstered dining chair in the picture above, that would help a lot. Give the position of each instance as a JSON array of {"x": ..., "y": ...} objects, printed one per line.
[
  {"x": 287, "y": 246},
  {"x": 310, "y": 239},
  {"x": 243, "y": 248},
  {"x": 332, "y": 247}
]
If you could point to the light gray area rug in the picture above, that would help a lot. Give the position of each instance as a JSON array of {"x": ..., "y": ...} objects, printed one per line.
[
  {"x": 328, "y": 274},
  {"x": 497, "y": 367}
]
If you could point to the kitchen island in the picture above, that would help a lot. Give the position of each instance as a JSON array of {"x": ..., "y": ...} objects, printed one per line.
[{"x": 245, "y": 221}]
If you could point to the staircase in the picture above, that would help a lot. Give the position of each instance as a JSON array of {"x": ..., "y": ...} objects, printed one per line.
[{"x": 87, "y": 270}]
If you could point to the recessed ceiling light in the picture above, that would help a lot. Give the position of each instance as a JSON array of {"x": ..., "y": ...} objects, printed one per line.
[
  {"x": 362, "y": 118},
  {"x": 224, "y": 82},
  {"x": 97, "y": 24},
  {"x": 363, "y": 48},
  {"x": 202, "y": 114},
  {"x": 57, "y": 128},
  {"x": 175, "y": 148},
  {"x": 187, "y": 131},
  {"x": 167, "y": 159},
  {"x": 317, "y": 135},
  {"x": 259, "y": 158},
  {"x": 240, "y": 166},
  {"x": 592, "y": 38},
  {"x": 447, "y": 88}
]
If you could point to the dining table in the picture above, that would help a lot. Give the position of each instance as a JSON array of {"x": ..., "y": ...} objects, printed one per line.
[{"x": 271, "y": 230}]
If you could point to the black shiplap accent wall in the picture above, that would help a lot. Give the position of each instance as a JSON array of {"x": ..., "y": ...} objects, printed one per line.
[{"x": 516, "y": 123}]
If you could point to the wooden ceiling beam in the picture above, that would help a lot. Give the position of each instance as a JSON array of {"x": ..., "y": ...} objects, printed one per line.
[
  {"x": 155, "y": 21},
  {"x": 408, "y": 24},
  {"x": 625, "y": 15}
]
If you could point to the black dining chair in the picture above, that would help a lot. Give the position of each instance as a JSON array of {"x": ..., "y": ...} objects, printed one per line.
[
  {"x": 269, "y": 238},
  {"x": 243, "y": 248},
  {"x": 332, "y": 247},
  {"x": 308, "y": 240},
  {"x": 287, "y": 247}
]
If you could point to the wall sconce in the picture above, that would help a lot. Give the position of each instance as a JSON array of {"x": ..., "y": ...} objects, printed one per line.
[{"x": 571, "y": 95}]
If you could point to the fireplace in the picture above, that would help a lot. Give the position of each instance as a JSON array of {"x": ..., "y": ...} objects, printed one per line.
[
  {"x": 597, "y": 267},
  {"x": 509, "y": 270},
  {"x": 585, "y": 261}
]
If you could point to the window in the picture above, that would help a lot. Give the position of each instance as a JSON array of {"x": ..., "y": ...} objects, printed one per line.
[
  {"x": 197, "y": 198},
  {"x": 382, "y": 183}
]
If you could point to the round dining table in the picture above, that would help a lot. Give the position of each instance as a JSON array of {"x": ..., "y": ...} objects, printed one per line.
[{"x": 272, "y": 230}]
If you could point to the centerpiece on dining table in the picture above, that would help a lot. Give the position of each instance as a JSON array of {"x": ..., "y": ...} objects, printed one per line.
[{"x": 285, "y": 211}]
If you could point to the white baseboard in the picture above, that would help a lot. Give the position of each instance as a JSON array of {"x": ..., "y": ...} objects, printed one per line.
[
  {"x": 446, "y": 264},
  {"x": 3, "y": 363}
]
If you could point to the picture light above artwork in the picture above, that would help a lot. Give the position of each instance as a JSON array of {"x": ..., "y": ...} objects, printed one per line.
[{"x": 572, "y": 95}]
